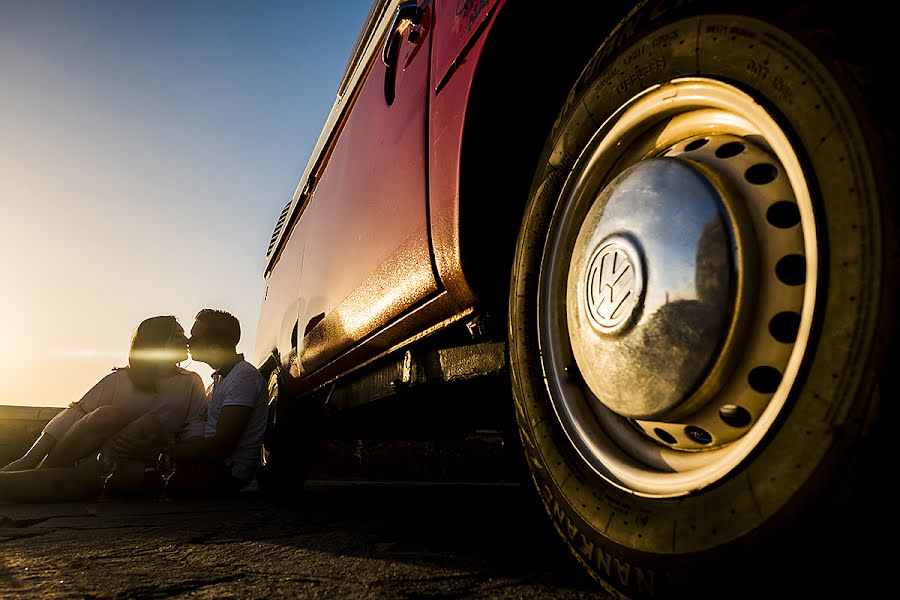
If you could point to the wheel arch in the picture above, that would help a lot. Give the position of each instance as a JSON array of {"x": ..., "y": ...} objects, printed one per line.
[
  {"x": 270, "y": 364},
  {"x": 530, "y": 57}
]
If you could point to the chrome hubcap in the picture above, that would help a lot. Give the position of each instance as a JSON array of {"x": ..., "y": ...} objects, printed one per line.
[{"x": 662, "y": 220}]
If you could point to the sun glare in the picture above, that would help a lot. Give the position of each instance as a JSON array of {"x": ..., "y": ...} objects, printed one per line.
[{"x": 89, "y": 353}]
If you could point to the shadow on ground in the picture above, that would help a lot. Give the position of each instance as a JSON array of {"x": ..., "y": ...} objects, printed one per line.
[{"x": 338, "y": 540}]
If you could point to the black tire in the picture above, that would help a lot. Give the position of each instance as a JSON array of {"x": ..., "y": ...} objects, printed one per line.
[
  {"x": 663, "y": 477},
  {"x": 283, "y": 464}
]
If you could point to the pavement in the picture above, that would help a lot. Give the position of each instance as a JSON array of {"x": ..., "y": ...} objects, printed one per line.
[
  {"x": 396, "y": 520},
  {"x": 340, "y": 539}
]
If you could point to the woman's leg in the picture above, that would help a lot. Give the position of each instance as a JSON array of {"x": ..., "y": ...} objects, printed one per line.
[
  {"x": 50, "y": 485},
  {"x": 66, "y": 484},
  {"x": 59, "y": 479},
  {"x": 85, "y": 437},
  {"x": 97, "y": 430}
]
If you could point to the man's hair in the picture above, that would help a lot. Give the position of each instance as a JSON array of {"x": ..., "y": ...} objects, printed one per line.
[{"x": 223, "y": 329}]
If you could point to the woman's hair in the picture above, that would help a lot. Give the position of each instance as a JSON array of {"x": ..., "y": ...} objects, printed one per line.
[{"x": 149, "y": 353}]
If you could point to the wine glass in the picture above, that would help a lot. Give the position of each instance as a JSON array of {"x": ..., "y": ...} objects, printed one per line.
[
  {"x": 108, "y": 463},
  {"x": 165, "y": 465}
]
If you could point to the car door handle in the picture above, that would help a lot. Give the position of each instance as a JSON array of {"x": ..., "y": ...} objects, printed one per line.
[{"x": 408, "y": 10}]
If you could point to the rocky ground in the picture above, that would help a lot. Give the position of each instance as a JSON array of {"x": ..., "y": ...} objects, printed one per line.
[
  {"x": 454, "y": 523},
  {"x": 340, "y": 540}
]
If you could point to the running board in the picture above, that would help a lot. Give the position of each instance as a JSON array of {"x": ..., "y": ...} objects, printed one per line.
[{"x": 413, "y": 368}]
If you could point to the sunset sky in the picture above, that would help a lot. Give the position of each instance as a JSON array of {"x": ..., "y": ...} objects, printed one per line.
[{"x": 146, "y": 150}]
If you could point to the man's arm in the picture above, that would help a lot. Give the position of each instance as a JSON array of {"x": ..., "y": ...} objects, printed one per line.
[
  {"x": 195, "y": 422},
  {"x": 232, "y": 421}
]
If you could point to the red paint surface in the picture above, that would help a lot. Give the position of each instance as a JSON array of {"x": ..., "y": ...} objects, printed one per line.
[{"x": 360, "y": 251}]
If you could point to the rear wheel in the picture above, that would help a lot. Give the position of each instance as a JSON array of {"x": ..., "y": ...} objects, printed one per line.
[{"x": 700, "y": 297}]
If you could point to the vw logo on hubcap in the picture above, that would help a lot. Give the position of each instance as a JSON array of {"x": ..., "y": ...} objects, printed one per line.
[{"x": 613, "y": 284}]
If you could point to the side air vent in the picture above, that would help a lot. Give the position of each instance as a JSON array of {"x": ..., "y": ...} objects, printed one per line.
[{"x": 278, "y": 227}]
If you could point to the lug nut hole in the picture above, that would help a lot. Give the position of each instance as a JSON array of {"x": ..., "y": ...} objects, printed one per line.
[
  {"x": 761, "y": 174},
  {"x": 695, "y": 145},
  {"x": 783, "y": 214},
  {"x": 664, "y": 435},
  {"x": 764, "y": 380},
  {"x": 698, "y": 434},
  {"x": 784, "y": 327},
  {"x": 730, "y": 149},
  {"x": 735, "y": 416},
  {"x": 791, "y": 269}
]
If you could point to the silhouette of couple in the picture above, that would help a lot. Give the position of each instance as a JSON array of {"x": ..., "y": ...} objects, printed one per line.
[{"x": 146, "y": 408}]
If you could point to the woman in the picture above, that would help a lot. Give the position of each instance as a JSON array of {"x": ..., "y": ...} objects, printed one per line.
[{"x": 152, "y": 398}]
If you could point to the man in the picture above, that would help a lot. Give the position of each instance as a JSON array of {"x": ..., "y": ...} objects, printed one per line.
[{"x": 222, "y": 459}]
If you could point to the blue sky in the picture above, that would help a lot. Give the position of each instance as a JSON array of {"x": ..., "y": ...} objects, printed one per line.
[{"x": 146, "y": 150}]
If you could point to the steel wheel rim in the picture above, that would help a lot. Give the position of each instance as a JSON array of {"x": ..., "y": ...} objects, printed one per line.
[{"x": 666, "y": 121}]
